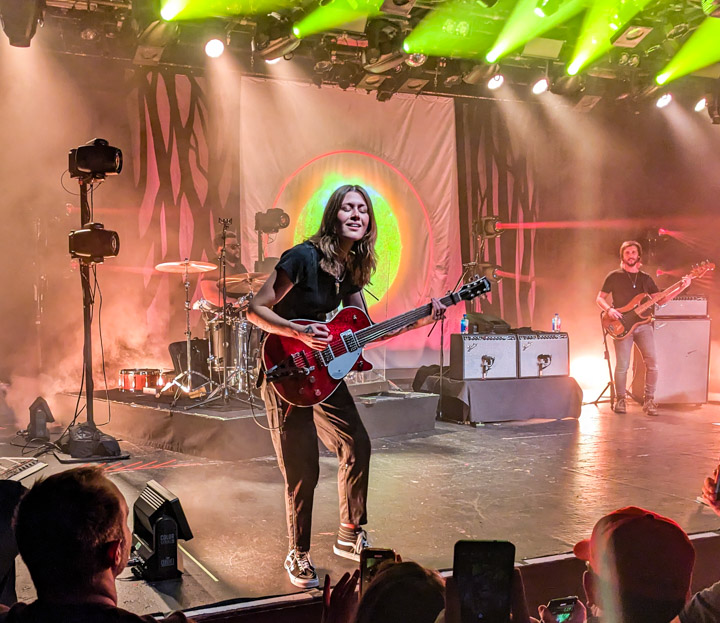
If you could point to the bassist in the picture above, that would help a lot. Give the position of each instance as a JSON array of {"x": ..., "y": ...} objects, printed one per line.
[
  {"x": 310, "y": 281},
  {"x": 619, "y": 288}
]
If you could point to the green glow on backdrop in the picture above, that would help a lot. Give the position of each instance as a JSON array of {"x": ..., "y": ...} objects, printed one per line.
[
  {"x": 336, "y": 13},
  {"x": 604, "y": 19},
  {"x": 453, "y": 30},
  {"x": 524, "y": 24},
  {"x": 700, "y": 50},
  {"x": 388, "y": 245}
]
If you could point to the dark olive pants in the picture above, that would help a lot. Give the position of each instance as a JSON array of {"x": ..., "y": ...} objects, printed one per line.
[{"x": 336, "y": 422}]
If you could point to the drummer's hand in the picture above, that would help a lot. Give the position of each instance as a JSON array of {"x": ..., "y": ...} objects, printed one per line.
[{"x": 315, "y": 335}]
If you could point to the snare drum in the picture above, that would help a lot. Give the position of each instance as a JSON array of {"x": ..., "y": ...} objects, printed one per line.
[{"x": 136, "y": 379}]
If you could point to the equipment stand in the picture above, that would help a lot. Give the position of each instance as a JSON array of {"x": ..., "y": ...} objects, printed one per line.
[
  {"x": 85, "y": 439},
  {"x": 610, "y": 384},
  {"x": 224, "y": 391}
]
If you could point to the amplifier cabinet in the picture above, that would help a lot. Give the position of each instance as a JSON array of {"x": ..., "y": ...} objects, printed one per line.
[
  {"x": 543, "y": 354},
  {"x": 682, "y": 347},
  {"x": 687, "y": 306},
  {"x": 483, "y": 356}
]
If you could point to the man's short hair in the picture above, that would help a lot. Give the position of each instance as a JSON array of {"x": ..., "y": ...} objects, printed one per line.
[
  {"x": 630, "y": 243},
  {"x": 63, "y": 524},
  {"x": 644, "y": 560},
  {"x": 218, "y": 239}
]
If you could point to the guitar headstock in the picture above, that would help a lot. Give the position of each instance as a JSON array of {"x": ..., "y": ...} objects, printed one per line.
[
  {"x": 480, "y": 285},
  {"x": 700, "y": 269}
]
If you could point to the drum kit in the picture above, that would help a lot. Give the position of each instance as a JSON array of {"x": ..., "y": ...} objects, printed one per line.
[{"x": 233, "y": 342}]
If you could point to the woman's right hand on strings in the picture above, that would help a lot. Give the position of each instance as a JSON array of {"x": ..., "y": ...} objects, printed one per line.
[{"x": 315, "y": 335}]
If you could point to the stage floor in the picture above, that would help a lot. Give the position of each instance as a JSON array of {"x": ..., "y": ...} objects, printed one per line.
[{"x": 539, "y": 484}]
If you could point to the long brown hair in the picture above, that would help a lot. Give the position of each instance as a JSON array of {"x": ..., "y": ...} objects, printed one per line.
[{"x": 361, "y": 260}]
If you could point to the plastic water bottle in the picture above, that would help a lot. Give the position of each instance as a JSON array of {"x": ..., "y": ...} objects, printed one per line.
[
  {"x": 556, "y": 323},
  {"x": 464, "y": 324}
]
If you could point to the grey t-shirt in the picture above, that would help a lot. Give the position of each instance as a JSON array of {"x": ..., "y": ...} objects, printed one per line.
[{"x": 704, "y": 607}]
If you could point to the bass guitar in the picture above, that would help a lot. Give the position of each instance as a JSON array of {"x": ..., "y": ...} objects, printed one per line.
[
  {"x": 306, "y": 377},
  {"x": 640, "y": 309}
]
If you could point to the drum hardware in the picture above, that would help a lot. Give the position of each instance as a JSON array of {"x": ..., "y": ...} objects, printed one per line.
[
  {"x": 244, "y": 284},
  {"x": 183, "y": 382}
]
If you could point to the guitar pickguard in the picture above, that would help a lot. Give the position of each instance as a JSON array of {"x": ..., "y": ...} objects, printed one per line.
[{"x": 340, "y": 366}]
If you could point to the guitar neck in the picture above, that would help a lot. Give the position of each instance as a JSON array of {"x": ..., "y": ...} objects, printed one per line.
[
  {"x": 668, "y": 293},
  {"x": 381, "y": 329}
]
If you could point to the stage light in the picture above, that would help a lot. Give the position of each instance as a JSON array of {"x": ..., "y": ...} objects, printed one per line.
[
  {"x": 214, "y": 48},
  {"x": 495, "y": 82},
  {"x": 699, "y": 51},
  {"x": 19, "y": 20},
  {"x": 490, "y": 272},
  {"x": 545, "y": 8},
  {"x": 271, "y": 221},
  {"x": 664, "y": 100},
  {"x": 384, "y": 50},
  {"x": 93, "y": 243},
  {"x": 415, "y": 60},
  {"x": 701, "y": 105},
  {"x": 158, "y": 523},
  {"x": 480, "y": 72},
  {"x": 487, "y": 227},
  {"x": 541, "y": 86},
  {"x": 95, "y": 159},
  {"x": 40, "y": 415},
  {"x": 273, "y": 37}
]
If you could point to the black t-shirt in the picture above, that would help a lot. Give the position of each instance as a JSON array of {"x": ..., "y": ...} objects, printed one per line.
[
  {"x": 238, "y": 269},
  {"x": 624, "y": 286},
  {"x": 315, "y": 292}
]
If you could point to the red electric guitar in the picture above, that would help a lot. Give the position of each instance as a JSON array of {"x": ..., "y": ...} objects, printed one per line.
[
  {"x": 640, "y": 309},
  {"x": 305, "y": 377}
]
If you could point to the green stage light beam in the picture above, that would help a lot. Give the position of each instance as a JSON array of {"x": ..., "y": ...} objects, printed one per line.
[
  {"x": 335, "y": 14},
  {"x": 699, "y": 51},
  {"x": 452, "y": 30},
  {"x": 604, "y": 19},
  {"x": 524, "y": 24},
  {"x": 176, "y": 10}
]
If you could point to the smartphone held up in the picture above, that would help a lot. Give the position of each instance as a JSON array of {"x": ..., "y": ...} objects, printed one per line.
[{"x": 483, "y": 573}]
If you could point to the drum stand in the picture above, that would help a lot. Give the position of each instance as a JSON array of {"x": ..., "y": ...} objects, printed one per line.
[
  {"x": 183, "y": 382},
  {"x": 224, "y": 391}
]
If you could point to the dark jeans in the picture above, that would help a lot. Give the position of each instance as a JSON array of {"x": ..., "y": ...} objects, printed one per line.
[
  {"x": 644, "y": 337},
  {"x": 336, "y": 422}
]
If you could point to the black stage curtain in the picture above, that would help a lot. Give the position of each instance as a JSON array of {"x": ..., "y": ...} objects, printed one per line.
[{"x": 495, "y": 179}]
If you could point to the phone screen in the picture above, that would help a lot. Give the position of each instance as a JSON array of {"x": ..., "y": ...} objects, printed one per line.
[
  {"x": 483, "y": 573},
  {"x": 562, "y": 608},
  {"x": 370, "y": 558}
]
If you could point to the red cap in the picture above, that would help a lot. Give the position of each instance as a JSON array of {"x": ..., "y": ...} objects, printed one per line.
[{"x": 642, "y": 552}]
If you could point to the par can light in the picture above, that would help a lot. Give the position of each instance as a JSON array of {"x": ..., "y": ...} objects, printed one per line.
[
  {"x": 93, "y": 243},
  {"x": 271, "y": 221},
  {"x": 95, "y": 159}
]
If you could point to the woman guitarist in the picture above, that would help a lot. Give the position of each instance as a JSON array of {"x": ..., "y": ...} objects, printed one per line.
[
  {"x": 619, "y": 288},
  {"x": 311, "y": 280}
]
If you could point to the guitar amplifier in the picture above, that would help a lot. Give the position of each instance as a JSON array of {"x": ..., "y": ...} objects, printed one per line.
[
  {"x": 483, "y": 356},
  {"x": 543, "y": 354},
  {"x": 687, "y": 306}
]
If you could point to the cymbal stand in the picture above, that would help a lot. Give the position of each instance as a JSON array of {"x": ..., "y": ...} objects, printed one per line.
[
  {"x": 183, "y": 382},
  {"x": 223, "y": 390}
]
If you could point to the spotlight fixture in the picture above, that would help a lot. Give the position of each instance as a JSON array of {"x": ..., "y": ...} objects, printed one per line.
[
  {"x": 480, "y": 72},
  {"x": 568, "y": 85},
  {"x": 545, "y": 8},
  {"x": 487, "y": 227},
  {"x": 271, "y": 221},
  {"x": 384, "y": 50},
  {"x": 19, "y": 20},
  {"x": 273, "y": 37},
  {"x": 495, "y": 82},
  {"x": 489, "y": 271},
  {"x": 664, "y": 100},
  {"x": 541, "y": 86},
  {"x": 214, "y": 48},
  {"x": 416, "y": 60},
  {"x": 701, "y": 105}
]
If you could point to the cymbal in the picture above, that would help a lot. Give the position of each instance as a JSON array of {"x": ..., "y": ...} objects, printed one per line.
[
  {"x": 244, "y": 283},
  {"x": 191, "y": 266}
]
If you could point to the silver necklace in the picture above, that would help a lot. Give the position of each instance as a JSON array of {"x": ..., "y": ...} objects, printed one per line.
[{"x": 633, "y": 281}]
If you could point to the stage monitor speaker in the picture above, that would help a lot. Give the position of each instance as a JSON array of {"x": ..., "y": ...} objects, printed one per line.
[
  {"x": 483, "y": 356},
  {"x": 686, "y": 306},
  {"x": 683, "y": 352},
  {"x": 543, "y": 354}
]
